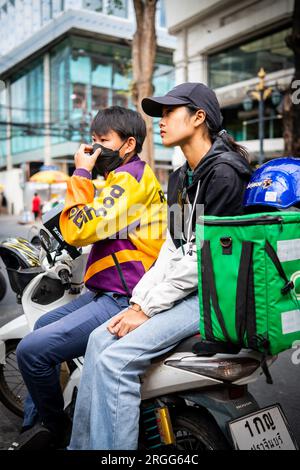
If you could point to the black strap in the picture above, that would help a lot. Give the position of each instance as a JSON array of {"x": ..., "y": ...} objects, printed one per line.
[
  {"x": 251, "y": 311},
  {"x": 263, "y": 344},
  {"x": 245, "y": 319},
  {"x": 124, "y": 284},
  {"x": 208, "y": 275},
  {"x": 206, "y": 294},
  {"x": 289, "y": 285},
  {"x": 210, "y": 348}
]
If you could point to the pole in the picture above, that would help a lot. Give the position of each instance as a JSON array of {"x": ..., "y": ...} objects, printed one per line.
[
  {"x": 9, "y": 160},
  {"x": 47, "y": 114},
  {"x": 261, "y": 128}
]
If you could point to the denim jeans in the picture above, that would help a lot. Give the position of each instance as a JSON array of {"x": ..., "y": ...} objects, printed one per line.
[
  {"x": 58, "y": 336},
  {"x": 108, "y": 402}
]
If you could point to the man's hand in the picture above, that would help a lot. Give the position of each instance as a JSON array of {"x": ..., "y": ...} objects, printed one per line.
[
  {"x": 82, "y": 160},
  {"x": 126, "y": 321}
]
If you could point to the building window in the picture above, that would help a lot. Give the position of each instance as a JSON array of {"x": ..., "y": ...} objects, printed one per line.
[
  {"x": 60, "y": 93},
  {"x": 89, "y": 75},
  {"x": 57, "y": 7},
  {"x": 243, "y": 125},
  {"x": 27, "y": 101},
  {"x": 163, "y": 81},
  {"x": 242, "y": 62},
  {"x": 161, "y": 14},
  {"x": 118, "y": 8},
  {"x": 3, "y": 118},
  {"x": 46, "y": 11},
  {"x": 100, "y": 98},
  {"x": 95, "y": 5}
]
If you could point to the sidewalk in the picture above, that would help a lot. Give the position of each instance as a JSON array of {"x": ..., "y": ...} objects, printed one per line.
[{"x": 9, "y": 227}]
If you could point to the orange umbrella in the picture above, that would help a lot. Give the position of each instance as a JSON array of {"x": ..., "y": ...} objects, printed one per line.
[{"x": 50, "y": 177}]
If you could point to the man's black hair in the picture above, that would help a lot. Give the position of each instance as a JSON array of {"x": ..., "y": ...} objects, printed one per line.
[{"x": 125, "y": 122}]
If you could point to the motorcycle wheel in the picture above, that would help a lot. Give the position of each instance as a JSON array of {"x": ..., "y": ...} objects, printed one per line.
[
  {"x": 195, "y": 430},
  {"x": 12, "y": 387},
  {"x": 3, "y": 286}
]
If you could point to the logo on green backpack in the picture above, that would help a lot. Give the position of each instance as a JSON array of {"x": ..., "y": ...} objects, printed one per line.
[{"x": 295, "y": 278}]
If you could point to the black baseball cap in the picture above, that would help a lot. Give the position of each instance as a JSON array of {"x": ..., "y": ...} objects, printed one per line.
[{"x": 195, "y": 94}]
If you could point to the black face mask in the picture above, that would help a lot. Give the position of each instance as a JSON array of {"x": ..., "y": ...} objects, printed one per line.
[{"x": 108, "y": 159}]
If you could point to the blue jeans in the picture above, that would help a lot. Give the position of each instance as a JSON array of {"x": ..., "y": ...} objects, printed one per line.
[
  {"x": 108, "y": 402},
  {"x": 58, "y": 336}
]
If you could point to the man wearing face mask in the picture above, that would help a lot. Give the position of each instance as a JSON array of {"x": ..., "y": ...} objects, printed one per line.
[{"x": 126, "y": 224}]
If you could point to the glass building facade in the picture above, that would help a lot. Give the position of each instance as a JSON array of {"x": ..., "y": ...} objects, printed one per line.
[
  {"x": 116, "y": 8},
  {"x": 19, "y": 19},
  {"x": 3, "y": 130},
  {"x": 85, "y": 76},
  {"x": 242, "y": 62},
  {"x": 27, "y": 109},
  {"x": 243, "y": 125}
]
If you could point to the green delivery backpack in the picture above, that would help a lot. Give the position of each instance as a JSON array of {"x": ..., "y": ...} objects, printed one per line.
[{"x": 249, "y": 280}]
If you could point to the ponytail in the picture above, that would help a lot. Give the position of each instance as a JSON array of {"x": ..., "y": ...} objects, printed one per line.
[{"x": 227, "y": 138}]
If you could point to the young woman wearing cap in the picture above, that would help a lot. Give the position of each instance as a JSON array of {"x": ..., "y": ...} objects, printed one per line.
[{"x": 164, "y": 305}]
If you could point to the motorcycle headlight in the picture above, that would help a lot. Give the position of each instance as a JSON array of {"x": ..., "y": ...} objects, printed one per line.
[{"x": 227, "y": 370}]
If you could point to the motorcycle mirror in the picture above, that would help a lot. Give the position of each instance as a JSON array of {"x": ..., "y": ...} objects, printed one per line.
[{"x": 45, "y": 240}]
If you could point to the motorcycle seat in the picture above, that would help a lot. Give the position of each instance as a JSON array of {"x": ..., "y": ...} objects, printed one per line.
[{"x": 186, "y": 345}]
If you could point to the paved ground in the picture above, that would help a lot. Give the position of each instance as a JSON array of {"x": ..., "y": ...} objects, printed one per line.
[{"x": 286, "y": 375}]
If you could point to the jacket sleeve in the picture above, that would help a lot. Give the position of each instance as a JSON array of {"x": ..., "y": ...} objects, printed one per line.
[
  {"x": 155, "y": 274},
  {"x": 178, "y": 283},
  {"x": 85, "y": 220}
]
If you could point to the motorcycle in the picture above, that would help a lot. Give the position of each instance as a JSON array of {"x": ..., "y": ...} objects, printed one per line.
[
  {"x": 190, "y": 402},
  {"x": 41, "y": 283}
]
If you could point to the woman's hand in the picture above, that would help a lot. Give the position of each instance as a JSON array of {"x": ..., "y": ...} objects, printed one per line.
[
  {"x": 83, "y": 158},
  {"x": 126, "y": 321}
]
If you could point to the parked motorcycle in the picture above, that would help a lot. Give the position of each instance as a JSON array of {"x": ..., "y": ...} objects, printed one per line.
[
  {"x": 190, "y": 402},
  {"x": 41, "y": 283}
]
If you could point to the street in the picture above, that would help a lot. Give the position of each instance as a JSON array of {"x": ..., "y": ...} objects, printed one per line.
[{"x": 286, "y": 375}]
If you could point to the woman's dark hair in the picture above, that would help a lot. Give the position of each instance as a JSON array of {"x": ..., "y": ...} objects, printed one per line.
[
  {"x": 214, "y": 133},
  {"x": 125, "y": 122}
]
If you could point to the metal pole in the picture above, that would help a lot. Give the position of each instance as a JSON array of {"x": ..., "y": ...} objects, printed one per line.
[
  {"x": 47, "y": 114},
  {"x": 261, "y": 128},
  {"x": 9, "y": 130}
]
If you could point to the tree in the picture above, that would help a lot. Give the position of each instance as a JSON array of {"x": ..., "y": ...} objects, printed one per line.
[
  {"x": 143, "y": 59},
  {"x": 291, "y": 107}
]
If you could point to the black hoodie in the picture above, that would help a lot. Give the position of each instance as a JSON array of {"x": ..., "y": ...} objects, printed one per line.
[{"x": 223, "y": 176}]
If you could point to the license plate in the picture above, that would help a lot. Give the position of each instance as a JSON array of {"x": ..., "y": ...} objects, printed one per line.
[{"x": 266, "y": 429}]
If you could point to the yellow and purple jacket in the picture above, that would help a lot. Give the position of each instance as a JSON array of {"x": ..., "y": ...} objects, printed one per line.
[{"x": 126, "y": 224}]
